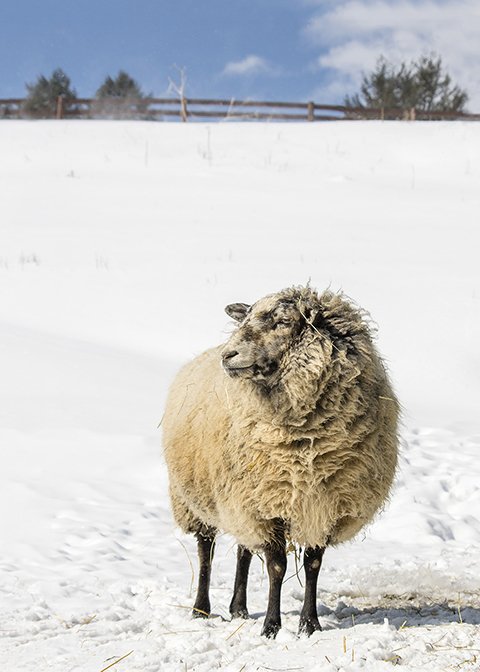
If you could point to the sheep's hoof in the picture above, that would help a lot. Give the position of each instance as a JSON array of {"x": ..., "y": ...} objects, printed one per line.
[
  {"x": 240, "y": 613},
  {"x": 200, "y": 613},
  {"x": 308, "y": 626},
  {"x": 270, "y": 630}
]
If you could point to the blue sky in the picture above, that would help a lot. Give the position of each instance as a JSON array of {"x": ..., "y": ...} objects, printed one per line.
[{"x": 271, "y": 49}]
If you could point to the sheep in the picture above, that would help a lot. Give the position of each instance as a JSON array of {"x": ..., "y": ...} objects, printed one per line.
[{"x": 286, "y": 433}]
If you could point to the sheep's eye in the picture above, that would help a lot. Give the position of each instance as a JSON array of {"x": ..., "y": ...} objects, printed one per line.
[{"x": 283, "y": 323}]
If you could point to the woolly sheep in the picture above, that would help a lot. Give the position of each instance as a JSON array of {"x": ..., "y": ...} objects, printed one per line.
[{"x": 293, "y": 439}]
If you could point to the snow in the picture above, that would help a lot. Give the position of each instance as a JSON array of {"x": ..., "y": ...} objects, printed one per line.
[{"x": 120, "y": 244}]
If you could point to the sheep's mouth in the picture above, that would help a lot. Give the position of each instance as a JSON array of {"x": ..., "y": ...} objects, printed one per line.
[
  {"x": 237, "y": 371},
  {"x": 255, "y": 372}
]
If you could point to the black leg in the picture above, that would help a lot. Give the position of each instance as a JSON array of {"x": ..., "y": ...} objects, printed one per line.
[
  {"x": 312, "y": 561},
  {"x": 238, "y": 605},
  {"x": 206, "y": 546},
  {"x": 276, "y": 557}
]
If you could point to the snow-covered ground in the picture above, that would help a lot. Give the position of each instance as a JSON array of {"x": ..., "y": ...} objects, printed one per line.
[{"x": 120, "y": 244}]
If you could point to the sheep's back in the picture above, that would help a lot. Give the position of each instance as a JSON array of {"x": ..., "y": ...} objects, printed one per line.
[{"x": 195, "y": 426}]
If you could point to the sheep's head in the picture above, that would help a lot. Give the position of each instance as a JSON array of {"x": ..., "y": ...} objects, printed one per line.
[
  {"x": 289, "y": 345},
  {"x": 266, "y": 333}
]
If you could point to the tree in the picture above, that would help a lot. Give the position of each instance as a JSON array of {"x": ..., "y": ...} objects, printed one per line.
[
  {"x": 119, "y": 97},
  {"x": 42, "y": 98},
  {"x": 179, "y": 87},
  {"x": 123, "y": 86},
  {"x": 421, "y": 85}
]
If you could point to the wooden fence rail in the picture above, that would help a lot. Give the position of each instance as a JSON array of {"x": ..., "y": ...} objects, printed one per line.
[{"x": 160, "y": 109}]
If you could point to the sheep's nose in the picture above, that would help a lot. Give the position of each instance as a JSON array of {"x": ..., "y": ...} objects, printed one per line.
[{"x": 229, "y": 355}]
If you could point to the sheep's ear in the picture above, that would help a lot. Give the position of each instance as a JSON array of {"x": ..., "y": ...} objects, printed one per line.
[{"x": 237, "y": 311}]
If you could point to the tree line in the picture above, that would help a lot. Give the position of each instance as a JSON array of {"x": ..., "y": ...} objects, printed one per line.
[
  {"x": 42, "y": 96},
  {"x": 422, "y": 85}
]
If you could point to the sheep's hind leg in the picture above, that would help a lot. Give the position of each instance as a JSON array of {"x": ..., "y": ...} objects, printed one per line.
[
  {"x": 276, "y": 557},
  {"x": 312, "y": 561},
  {"x": 238, "y": 605},
  {"x": 205, "y": 546}
]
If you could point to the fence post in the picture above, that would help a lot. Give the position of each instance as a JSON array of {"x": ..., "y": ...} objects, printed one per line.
[
  {"x": 183, "y": 109},
  {"x": 311, "y": 111},
  {"x": 409, "y": 114},
  {"x": 59, "y": 110}
]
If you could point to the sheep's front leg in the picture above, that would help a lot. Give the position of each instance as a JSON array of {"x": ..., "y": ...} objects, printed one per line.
[
  {"x": 276, "y": 557},
  {"x": 205, "y": 546},
  {"x": 238, "y": 605},
  {"x": 312, "y": 561}
]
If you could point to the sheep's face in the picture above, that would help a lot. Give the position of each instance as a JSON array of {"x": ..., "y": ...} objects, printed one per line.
[{"x": 266, "y": 332}]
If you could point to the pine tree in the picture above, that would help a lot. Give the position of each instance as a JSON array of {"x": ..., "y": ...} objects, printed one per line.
[
  {"x": 121, "y": 96},
  {"x": 435, "y": 90},
  {"x": 421, "y": 85},
  {"x": 41, "y": 101},
  {"x": 123, "y": 86}
]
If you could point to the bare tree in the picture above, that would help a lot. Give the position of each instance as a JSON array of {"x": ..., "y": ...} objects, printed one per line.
[{"x": 179, "y": 88}]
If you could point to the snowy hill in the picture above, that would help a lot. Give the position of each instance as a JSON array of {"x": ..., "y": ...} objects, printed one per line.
[{"x": 120, "y": 244}]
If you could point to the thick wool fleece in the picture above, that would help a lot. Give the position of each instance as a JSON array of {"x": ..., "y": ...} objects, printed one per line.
[{"x": 317, "y": 452}]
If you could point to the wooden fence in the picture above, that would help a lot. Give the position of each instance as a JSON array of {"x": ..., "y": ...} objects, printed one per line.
[{"x": 162, "y": 109}]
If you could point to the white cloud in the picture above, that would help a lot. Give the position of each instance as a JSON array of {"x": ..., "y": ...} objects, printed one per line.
[
  {"x": 250, "y": 65},
  {"x": 351, "y": 35}
]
